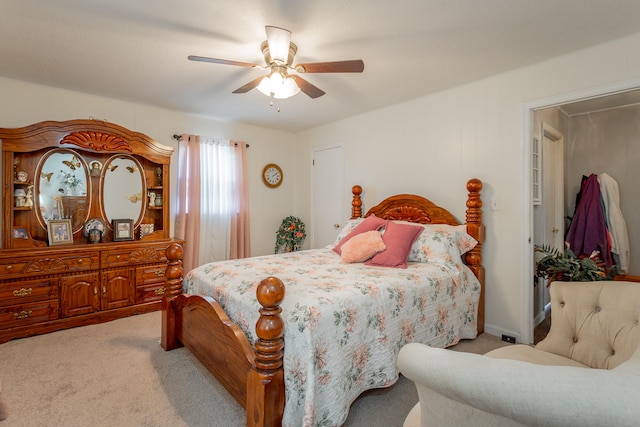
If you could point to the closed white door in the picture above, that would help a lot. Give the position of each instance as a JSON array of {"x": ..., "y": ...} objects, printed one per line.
[{"x": 327, "y": 188}]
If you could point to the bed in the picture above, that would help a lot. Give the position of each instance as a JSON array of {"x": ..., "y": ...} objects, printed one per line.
[{"x": 343, "y": 323}]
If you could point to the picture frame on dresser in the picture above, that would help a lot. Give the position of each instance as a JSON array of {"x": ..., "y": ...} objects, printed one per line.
[
  {"x": 21, "y": 233},
  {"x": 122, "y": 229},
  {"x": 60, "y": 232}
]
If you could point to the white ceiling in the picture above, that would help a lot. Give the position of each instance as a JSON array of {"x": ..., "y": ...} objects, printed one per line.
[{"x": 137, "y": 50}]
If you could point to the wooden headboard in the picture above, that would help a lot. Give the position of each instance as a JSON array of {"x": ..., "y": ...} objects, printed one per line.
[{"x": 413, "y": 208}]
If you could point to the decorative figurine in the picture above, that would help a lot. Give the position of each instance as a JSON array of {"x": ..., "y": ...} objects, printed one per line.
[
  {"x": 158, "y": 176},
  {"x": 28, "y": 203}
]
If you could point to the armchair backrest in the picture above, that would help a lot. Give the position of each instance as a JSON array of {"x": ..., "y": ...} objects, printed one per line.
[{"x": 595, "y": 323}]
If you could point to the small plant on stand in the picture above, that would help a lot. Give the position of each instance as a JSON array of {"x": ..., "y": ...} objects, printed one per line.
[
  {"x": 556, "y": 265},
  {"x": 290, "y": 235}
]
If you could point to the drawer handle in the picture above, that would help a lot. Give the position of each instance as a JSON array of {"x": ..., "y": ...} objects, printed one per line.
[
  {"x": 159, "y": 291},
  {"x": 22, "y": 315},
  {"x": 9, "y": 267},
  {"x": 159, "y": 273},
  {"x": 79, "y": 260},
  {"x": 22, "y": 292},
  {"x": 117, "y": 256}
]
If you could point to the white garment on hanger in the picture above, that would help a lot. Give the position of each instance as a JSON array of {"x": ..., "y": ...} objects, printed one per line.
[{"x": 615, "y": 221}]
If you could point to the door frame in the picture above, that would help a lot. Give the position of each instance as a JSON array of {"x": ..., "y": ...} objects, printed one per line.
[
  {"x": 526, "y": 288},
  {"x": 542, "y": 227}
]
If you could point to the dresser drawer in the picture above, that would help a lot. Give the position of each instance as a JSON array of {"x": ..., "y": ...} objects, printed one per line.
[
  {"x": 39, "y": 265},
  {"x": 81, "y": 261},
  {"x": 26, "y": 291},
  {"x": 148, "y": 293},
  {"x": 150, "y": 274},
  {"x": 9, "y": 268},
  {"x": 125, "y": 257},
  {"x": 27, "y": 314}
]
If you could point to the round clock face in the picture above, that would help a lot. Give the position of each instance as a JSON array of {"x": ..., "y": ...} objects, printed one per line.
[{"x": 272, "y": 175}]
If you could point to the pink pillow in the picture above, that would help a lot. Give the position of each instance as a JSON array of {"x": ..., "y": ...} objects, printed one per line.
[
  {"x": 370, "y": 223},
  {"x": 398, "y": 239},
  {"x": 362, "y": 247}
]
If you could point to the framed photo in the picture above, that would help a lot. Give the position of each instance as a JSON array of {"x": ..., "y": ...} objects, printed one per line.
[
  {"x": 145, "y": 230},
  {"x": 60, "y": 232},
  {"x": 21, "y": 233},
  {"x": 122, "y": 229}
]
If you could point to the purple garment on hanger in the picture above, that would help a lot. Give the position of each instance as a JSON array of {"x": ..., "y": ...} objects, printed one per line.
[{"x": 588, "y": 230}]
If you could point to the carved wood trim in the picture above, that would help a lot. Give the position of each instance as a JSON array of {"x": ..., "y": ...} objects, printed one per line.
[
  {"x": 97, "y": 141},
  {"x": 49, "y": 265},
  {"x": 409, "y": 207},
  {"x": 145, "y": 255}
]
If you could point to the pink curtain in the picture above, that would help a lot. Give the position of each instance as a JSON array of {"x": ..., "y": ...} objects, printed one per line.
[
  {"x": 189, "y": 206},
  {"x": 188, "y": 196},
  {"x": 240, "y": 245}
]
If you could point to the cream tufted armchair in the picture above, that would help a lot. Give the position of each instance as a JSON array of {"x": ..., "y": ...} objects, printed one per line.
[{"x": 585, "y": 373}]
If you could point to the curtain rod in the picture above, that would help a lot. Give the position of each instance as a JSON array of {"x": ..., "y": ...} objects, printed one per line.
[{"x": 179, "y": 138}]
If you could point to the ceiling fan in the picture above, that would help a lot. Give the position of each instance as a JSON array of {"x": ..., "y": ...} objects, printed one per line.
[{"x": 279, "y": 51}]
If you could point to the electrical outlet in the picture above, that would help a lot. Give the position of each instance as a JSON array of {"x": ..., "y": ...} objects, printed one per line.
[{"x": 509, "y": 339}]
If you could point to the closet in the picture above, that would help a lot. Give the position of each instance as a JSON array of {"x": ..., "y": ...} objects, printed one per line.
[{"x": 607, "y": 141}]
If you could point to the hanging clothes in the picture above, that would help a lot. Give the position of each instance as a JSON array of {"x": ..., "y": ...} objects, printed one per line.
[
  {"x": 588, "y": 231},
  {"x": 615, "y": 222}
]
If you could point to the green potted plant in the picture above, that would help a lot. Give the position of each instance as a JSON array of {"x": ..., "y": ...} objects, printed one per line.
[
  {"x": 566, "y": 266},
  {"x": 290, "y": 235}
]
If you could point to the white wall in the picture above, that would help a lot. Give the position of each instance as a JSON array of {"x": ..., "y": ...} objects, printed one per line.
[
  {"x": 433, "y": 145},
  {"x": 23, "y": 104}
]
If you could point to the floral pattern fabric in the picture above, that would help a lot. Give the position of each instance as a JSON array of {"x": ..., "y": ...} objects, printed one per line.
[{"x": 344, "y": 323}]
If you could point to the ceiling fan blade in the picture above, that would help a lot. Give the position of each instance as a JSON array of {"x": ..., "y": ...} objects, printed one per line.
[
  {"x": 278, "y": 40},
  {"x": 309, "y": 89},
  {"x": 252, "y": 84},
  {"x": 221, "y": 61},
  {"x": 353, "y": 66}
]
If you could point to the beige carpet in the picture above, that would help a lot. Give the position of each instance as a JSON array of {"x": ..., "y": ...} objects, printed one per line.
[{"x": 116, "y": 374}]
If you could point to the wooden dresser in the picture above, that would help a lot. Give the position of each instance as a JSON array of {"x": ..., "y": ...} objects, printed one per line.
[{"x": 86, "y": 276}]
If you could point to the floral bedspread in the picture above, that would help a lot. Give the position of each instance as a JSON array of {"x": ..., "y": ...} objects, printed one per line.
[{"x": 344, "y": 323}]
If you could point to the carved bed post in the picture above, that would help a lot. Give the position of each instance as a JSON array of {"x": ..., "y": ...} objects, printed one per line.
[
  {"x": 475, "y": 228},
  {"x": 356, "y": 202},
  {"x": 265, "y": 383},
  {"x": 173, "y": 286}
]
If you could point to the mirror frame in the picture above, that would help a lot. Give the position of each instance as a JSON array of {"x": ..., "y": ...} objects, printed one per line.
[
  {"x": 143, "y": 192},
  {"x": 39, "y": 177}
]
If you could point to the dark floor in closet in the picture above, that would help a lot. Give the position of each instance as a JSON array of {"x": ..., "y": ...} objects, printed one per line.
[{"x": 542, "y": 329}]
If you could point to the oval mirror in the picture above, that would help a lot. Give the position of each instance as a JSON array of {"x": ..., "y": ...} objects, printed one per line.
[
  {"x": 123, "y": 189},
  {"x": 61, "y": 188}
]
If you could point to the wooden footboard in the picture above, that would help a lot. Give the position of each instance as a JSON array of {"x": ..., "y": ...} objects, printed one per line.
[{"x": 254, "y": 379}]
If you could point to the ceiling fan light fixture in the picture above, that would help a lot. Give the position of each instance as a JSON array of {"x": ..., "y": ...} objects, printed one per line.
[
  {"x": 278, "y": 41},
  {"x": 279, "y": 85}
]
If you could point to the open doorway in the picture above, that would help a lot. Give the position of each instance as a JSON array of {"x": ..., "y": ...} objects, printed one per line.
[{"x": 601, "y": 134}]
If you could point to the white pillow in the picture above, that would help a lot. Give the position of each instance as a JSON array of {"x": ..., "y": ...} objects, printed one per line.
[
  {"x": 348, "y": 228},
  {"x": 441, "y": 243}
]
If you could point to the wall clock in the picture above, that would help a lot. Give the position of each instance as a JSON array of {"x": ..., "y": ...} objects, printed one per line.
[{"x": 272, "y": 175}]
